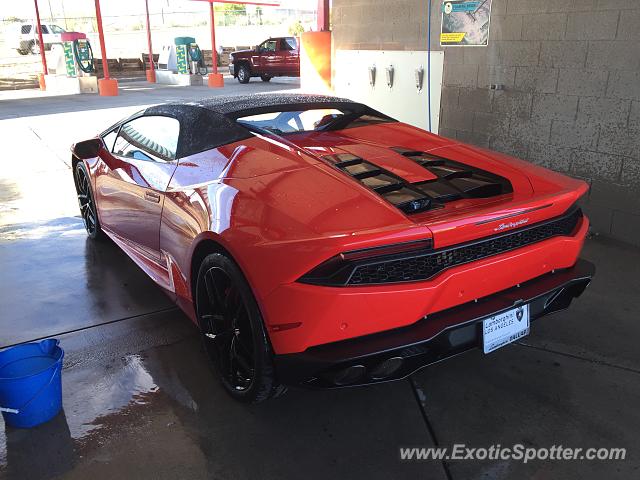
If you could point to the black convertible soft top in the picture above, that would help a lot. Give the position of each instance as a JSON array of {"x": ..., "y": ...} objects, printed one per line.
[
  {"x": 211, "y": 122},
  {"x": 245, "y": 105}
]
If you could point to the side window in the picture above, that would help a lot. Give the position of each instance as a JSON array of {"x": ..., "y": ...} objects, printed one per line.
[
  {"x": 109, "y": 138},
  {"x": 56, "y": 29},
  {"x": 25, "y": 29},
  {"x": 152, "y": 138},
  {"x": 45, "y": 29},
  {"x": 290, "y": 44},
  {"x": 270, "y": 45}
]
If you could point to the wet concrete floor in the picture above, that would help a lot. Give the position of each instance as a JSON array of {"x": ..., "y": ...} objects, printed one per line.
[{"x": 141, "y": 402}]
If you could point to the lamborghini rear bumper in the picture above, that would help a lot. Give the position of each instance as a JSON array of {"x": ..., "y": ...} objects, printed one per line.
[{"x": 397, "y": 353}]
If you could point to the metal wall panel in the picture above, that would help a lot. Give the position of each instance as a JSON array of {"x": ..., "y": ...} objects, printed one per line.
[{"x": 402, "y": 100}]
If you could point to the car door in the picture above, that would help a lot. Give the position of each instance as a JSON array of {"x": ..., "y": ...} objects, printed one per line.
[
  {"x": 280, "y": 65},
  {"x": 137, "y": 164},
  {"x": 46, "y": 36},
  {"x": 269, "y": 56},
  {"x": 291, "y": 56},
  {"x": 26, "y": 36}
]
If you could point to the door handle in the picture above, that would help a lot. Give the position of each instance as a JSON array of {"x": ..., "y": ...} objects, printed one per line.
[{"x": 152, "y": 197}]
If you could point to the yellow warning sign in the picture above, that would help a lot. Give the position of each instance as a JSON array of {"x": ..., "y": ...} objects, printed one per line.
[{"x": 454, "y": 37}]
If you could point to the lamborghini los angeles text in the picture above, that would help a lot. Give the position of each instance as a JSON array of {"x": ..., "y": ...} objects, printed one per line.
[{"x": 317, "y": 242}]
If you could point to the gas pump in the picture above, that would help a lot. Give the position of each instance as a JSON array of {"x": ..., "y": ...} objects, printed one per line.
[
  {"x": 197, "y": 60},
  {"x": 181, "y": 63},
  {"x": 182, "y": 54},
  {"x": 78, "y": 55},
  {"x": 183, "y": 57},
  {"x": 72, "y": 63},
  {"x": 83, "y": 55}
]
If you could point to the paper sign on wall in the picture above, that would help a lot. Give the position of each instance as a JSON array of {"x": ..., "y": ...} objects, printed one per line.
[{"x": 465, "y": 23}]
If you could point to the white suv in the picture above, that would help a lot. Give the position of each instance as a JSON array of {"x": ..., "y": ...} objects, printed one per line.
[{"x": 24, "y": 37}]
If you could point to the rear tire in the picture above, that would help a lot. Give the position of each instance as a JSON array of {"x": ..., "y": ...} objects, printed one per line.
[
  {"x": 265, "y": 78},
  {"x": 233, "y": 332},
  {"x": 86, "y": 202},
  {"x": 34, "y": 48},
  {"x": 244, "y": 74}
]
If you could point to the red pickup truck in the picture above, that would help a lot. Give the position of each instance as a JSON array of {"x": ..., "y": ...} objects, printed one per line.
[{"x": 275, "y": 57}]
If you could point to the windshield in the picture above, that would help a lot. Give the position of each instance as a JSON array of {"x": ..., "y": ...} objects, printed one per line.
[{"x": 312, "y": 120}]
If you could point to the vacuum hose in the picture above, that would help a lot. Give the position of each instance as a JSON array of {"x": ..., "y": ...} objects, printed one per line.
[
  {"x": 87, "y": 65},
  {"x": 195, "y": 54}
]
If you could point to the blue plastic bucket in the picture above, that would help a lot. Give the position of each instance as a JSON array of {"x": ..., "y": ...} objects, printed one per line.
[{"x": 31, "y": 383}]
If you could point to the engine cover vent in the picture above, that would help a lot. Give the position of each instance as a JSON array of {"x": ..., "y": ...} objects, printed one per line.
[
  {"x": 454, "y": 180},
  {"x": 388, "y": 185}
]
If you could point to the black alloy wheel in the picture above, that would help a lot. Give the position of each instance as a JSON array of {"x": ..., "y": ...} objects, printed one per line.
[
  {"x": 86, "y": 202},
  {"x": 232, "y": 331}
]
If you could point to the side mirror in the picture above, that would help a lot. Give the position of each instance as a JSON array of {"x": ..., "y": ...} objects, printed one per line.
[{"x": 87, "y": 149}]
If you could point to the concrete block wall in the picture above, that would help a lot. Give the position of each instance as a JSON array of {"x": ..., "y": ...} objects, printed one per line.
[{"x": 570, "y": 77}]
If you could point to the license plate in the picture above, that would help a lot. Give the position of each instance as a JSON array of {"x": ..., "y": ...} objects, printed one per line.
[{"x": 507, "y": 327}]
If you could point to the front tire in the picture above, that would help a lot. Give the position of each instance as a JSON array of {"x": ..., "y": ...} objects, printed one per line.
[
  {"x": 244, "y": 74},
  {"x": 34, "y": 48},
  {"x": 86, "y": 202},
  {"x": 233, "y": 332},
  {"x": 265, "y": 78}
]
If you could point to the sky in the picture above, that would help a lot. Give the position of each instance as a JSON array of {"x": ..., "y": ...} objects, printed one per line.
[{"x": 77, "y": 8}]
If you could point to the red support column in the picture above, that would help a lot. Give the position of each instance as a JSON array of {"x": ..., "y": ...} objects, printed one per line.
[
  {"x": 215, "y": 78},
  {"x": 323, "y": 15},
  {"x": 45, "y": 70},
  {"x": 108, "y": 87},
  {"x": 214, "y": 53},
  {"x": 151, "y": 71}
]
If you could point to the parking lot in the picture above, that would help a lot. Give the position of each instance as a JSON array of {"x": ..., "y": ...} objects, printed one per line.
[{"x": 141, "y": 402}]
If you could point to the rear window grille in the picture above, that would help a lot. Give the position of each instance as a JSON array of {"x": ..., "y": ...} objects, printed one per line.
[
  {"x": 454, "y": 181},
  {"x": 425, "y": 266}
]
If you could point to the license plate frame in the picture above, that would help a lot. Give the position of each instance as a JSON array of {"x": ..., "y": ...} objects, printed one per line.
[{"x": 505, "y": 328}]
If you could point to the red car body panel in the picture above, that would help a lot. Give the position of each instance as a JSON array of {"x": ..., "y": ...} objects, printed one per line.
[
  {"x": 280, "y": 211},
  {"x": 332, "y": 314}
]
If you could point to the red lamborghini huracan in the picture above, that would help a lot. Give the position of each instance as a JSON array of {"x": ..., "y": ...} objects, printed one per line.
[{"x": 316, "y": 241}]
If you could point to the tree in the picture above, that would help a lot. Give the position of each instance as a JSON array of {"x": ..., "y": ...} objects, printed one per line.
[
  {"x": 230, "y": 12},
  {"x": 296, "y": 28}
]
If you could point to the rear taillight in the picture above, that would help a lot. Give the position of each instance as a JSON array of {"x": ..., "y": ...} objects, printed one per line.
[
  {"x": 418, "y": 261},
  {"x": 338, "y": 269},
  {"x": 383, "y": 251}
]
